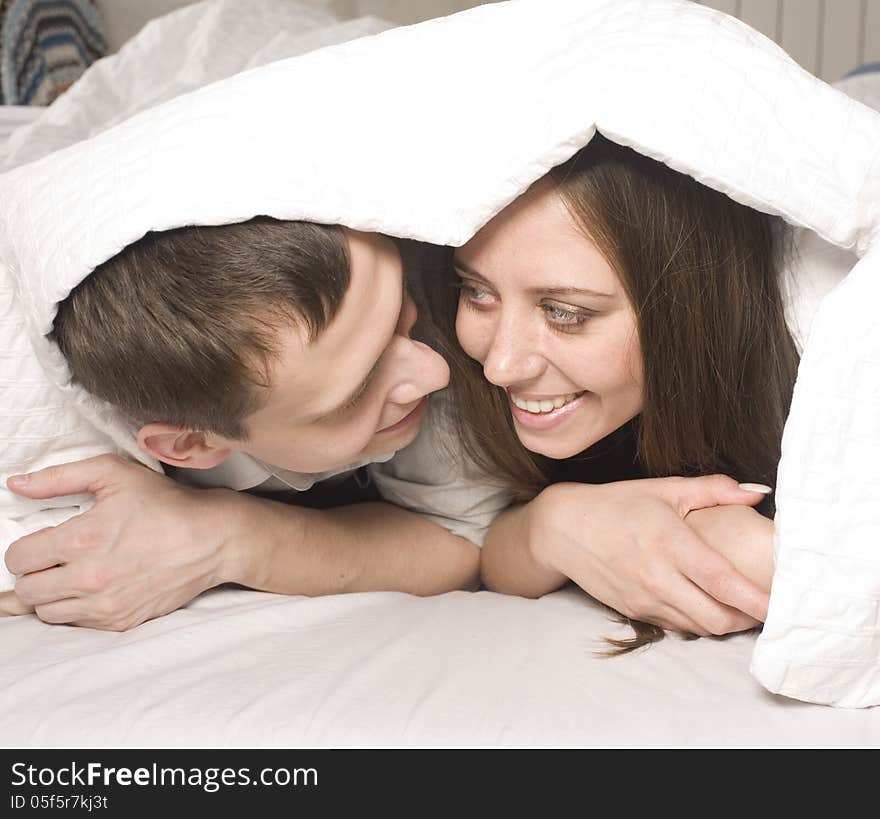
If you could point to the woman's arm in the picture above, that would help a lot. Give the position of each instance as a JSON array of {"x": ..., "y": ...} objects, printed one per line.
[
  {"x": 743, "y": 535},
  {"x": 627, "y": 545}
]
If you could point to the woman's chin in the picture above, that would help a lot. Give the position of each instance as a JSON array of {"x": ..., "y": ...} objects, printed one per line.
[
  {"x": 575, "y": 434},
  {"x": 556, "y": 450}
]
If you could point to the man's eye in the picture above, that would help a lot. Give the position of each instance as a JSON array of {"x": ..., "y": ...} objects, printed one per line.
[
  {"x": 474, "y": 293},
  {"x": 353, "y": 402},
  {"x": 364, "y": 389}
]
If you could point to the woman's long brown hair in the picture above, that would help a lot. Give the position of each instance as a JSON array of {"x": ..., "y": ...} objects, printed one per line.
[{"x": 702, "y": 274}]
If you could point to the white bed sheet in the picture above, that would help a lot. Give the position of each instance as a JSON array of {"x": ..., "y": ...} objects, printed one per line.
[{"x": 241, "y": 669}]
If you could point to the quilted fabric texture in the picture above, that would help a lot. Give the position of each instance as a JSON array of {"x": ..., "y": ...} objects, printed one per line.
[{"x": 433, "y": 130}]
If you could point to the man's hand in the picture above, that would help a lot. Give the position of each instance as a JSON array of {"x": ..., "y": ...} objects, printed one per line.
[
  {"x": 10, "y": 605},
  {"x": 149, "y": 545},
  {"x": 627, "y": 544},
  {"x": 145, "y": 548}
]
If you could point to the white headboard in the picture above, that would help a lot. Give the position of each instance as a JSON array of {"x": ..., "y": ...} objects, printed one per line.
[{"x": 827, "y": 37}]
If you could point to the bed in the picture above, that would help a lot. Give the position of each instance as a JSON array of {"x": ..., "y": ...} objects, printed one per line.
[
  {"x": 244, "y": 669},
  {"x": 239, "y": 668}
]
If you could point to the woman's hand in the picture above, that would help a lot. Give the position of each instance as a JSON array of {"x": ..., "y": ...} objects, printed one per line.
[{"x": 628, "y": 545}]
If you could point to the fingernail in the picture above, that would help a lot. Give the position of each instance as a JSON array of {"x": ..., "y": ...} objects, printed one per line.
[
  {"x": 756, "y": 487},
  {"x": 18, "y": 480}
]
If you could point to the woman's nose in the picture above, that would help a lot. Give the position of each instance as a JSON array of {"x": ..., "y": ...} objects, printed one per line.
[{"x": 513, "y": 356}]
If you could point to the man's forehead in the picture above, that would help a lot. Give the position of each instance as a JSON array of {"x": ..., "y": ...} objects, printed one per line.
[
  {"x": 326, "y": 368},
  {"x": 293, "y": 370}
]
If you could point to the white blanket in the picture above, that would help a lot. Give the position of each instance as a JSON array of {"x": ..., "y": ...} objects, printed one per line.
[{"x": 432, "y": 130}]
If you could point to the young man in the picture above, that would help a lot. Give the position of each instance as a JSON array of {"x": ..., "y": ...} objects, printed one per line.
[{"x": 266, "y": 356}]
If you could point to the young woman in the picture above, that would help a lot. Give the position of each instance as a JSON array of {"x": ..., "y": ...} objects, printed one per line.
[{"x": 620, "y": 321}]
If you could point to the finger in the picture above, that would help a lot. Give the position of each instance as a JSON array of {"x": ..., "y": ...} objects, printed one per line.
[
  {"x": 674, "y": 619},
  {"x": 675, "y": 609},
  {"x": 687, "y": 494},
  {"x": 659, "y": 612},
  {"x": 721, "y": 580},
  {"x": 710, "y": 616},
  {"x": 11, "y": 605},
  {"x": 90, "y": 475},
  {"x": 36, "y": 551},
  {"x": 39, "y": 588},
  {"x": 60, "y": 611}
]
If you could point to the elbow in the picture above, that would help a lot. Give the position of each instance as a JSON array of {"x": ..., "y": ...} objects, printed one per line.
[
  {"x": 457, "y": 568},
  {"x": 466, "y": 576},
  {"x": 496, "y": 577},
  {"x": 470, "y": 579}
]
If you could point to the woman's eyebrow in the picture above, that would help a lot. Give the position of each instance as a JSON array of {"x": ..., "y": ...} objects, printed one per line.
[
  {"x": 570, "y": 291},
  {"x": 549, "y": 291}
]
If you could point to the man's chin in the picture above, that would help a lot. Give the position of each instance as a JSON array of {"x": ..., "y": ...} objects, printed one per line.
[
  {"x": 411, "y": 434},
  {"x": 394, "y": 443},
  {"x": 389, "y": 442}
]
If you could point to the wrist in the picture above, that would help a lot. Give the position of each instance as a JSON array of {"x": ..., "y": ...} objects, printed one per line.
[
  {"x": 225, "y": 519},
  {"x": 260, "y": 539},
  {"x": 541, "y": 526}
]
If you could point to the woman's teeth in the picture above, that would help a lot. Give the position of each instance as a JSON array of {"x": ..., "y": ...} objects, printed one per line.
[{"x": 545, "y": 404}]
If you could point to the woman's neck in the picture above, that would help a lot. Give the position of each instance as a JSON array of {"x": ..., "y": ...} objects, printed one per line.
[{"x": 614, "y": 458}]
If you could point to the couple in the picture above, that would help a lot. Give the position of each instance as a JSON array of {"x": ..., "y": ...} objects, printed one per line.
[{"x": 617, "y": 324}]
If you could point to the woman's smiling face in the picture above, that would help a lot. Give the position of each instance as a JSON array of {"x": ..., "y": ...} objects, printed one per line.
[{"x": 545, "y": 314}]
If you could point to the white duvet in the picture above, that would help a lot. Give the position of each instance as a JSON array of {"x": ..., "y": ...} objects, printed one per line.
[{"x": 431, "y": 131}]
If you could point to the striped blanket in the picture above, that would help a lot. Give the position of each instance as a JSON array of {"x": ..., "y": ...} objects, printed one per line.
[{"x": 45, "y": 45}]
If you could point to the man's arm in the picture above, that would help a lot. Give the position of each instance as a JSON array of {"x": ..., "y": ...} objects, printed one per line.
[
  {"x": 363, "y": 547},
  {"x": 150, "y": 545},
  {"x": 627, "y": 545}
]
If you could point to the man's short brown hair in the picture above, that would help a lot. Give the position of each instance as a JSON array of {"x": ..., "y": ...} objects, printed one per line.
[{"x": 181, "y": 326}]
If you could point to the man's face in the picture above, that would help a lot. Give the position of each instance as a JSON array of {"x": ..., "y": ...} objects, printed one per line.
[{"x": 358, "y": 391}]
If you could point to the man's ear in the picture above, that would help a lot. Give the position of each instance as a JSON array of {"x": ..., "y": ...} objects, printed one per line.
[{"x": 181, "y": 447}]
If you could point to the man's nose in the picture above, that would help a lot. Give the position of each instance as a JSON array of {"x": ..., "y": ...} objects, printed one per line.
[
  {"x": 408, "y": 316},
  {"x": 416, "y": 370}
]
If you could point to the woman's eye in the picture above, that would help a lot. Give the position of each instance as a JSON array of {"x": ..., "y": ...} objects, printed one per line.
[{"x": 565, "y": 316}]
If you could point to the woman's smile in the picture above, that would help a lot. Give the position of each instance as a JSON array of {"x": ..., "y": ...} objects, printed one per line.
[{"x": 544, "y": 412}]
